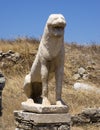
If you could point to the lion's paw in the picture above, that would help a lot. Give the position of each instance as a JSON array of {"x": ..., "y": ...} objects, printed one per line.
[
  {"x": 45, "y": 102},
  {"x": 60, "y": 103}
]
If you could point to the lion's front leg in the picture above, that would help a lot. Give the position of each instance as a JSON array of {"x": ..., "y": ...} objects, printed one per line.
[
  {"x": 44, "y": 78},
  {"x": 59, "y": 79}
]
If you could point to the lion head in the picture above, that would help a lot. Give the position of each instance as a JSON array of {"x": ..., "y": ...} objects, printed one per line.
[{"x": 56, "y": 24}]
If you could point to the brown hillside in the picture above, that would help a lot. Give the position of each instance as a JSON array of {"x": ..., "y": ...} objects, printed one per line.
[{"x": 76, "y": 56}]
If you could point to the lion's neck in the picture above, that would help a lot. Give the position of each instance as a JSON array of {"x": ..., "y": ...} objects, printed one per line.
[{"x": 51, "y": 45}]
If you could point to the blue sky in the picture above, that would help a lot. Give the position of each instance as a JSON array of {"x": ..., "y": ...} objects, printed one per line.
[{"x": 20, "y": 18}]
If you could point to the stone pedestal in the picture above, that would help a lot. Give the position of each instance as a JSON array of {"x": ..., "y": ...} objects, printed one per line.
[
  {"x": 40, "y": 121},
  {"x": 39, "y": 117},
  {"x": 30, "y": 106}
]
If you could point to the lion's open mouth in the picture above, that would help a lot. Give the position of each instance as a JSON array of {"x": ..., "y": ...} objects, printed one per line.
[{"x": 59, "y": 28}]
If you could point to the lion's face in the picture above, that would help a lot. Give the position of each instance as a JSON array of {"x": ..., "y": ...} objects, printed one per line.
[{"x": 56, "y": 24}]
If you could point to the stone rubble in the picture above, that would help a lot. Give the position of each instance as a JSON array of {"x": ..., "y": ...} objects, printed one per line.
[
  {"x": 87, "y": 116},
  {"x": 10, "y": 55},
  {"x": 81, "y": 74},
  {"x": 81, "y": 70}
]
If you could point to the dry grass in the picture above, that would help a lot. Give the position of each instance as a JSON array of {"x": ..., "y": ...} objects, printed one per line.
[
  {"x": 76, "y": 56},
  {"x": 12, "y": 97},
  {"x": 87, "y": 127},
  {"x": 26, "y": 47}
]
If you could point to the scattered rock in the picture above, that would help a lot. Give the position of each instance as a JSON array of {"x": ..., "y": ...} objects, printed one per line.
[
  {"x": 17, "y": 55},
  {"x": 10, "y": 55},
  {"x": 81, "y": 74},
  {"x": 76, "y": 76},
  {"x": 90, "y": 111},
  {"x": 81, "y": 71},
  {"x": 10, "y": 52},
  {"x": 82, "y": 86},
  {"x": 85, "y": 76}
]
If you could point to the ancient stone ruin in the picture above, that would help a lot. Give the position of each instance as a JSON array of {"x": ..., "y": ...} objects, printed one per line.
[
  {"x": 2, "y": 84},
  {"x": 87, "y": 116},
  {"x": 38, "y": 112}
]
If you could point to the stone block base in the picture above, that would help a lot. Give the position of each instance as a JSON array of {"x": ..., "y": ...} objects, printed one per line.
[
  {"x": 38, "y": 121},
  {"x": 38, "y": 108}
]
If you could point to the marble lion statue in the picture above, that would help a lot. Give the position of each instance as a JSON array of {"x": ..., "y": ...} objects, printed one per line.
[{"x": 49, "y": 61}]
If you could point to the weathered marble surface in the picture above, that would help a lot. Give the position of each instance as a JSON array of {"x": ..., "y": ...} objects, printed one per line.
[
  {"x": 49, "y": 61},
  {"x": 38, "y": 112},
  {"x": 38, "y": 108}
]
